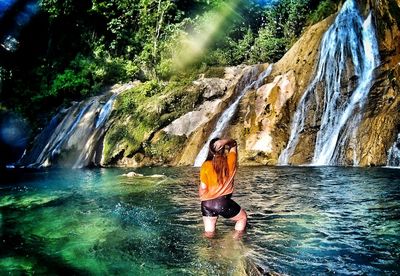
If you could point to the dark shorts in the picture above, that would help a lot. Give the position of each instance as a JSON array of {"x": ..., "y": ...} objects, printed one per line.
[{"x": 220, "y": 206}]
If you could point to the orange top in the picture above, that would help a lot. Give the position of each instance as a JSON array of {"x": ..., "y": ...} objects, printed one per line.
[{"x": 209, "y": 177}]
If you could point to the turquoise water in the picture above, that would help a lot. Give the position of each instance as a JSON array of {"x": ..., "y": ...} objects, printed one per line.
[{"x": 302, "y": 221}]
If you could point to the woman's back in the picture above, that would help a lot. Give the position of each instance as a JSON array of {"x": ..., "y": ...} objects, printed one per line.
[{"x": 209, "y": 177}]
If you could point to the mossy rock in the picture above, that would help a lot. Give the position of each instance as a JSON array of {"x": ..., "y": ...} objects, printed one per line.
[
  {"x": 164, "y": 147},
  {"x": 215, "y": 72},
  {"x": 143, "y": 111}
]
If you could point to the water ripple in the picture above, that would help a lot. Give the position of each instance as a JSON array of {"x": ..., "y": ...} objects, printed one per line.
[{"x": 302, "y": 221}]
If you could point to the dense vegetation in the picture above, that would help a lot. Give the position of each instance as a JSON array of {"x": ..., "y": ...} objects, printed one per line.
[{"x": 70, "y": 49}]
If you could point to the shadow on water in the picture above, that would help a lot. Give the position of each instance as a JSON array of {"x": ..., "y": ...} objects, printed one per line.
[{"x": 302, "y": 220}]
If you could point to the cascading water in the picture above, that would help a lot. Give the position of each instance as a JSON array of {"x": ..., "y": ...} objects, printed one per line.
[
  {"x": 393, "y": 159},
  {"x": 226, "y": 116},
  {"x": 105, "y": 111},
  {"x": 59, "y": 143},
  {"x": 75, "y": 133},
  {"x": 56, "y": 135},
  {"x": 349, "y": 48},
  {"x": 88, "y": 152}
]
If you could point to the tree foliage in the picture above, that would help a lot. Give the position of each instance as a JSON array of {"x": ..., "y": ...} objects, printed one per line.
[{"x": 73, "y": 48}]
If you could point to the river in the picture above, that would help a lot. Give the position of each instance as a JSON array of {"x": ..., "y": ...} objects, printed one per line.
[{"x": 302, "y": 221}]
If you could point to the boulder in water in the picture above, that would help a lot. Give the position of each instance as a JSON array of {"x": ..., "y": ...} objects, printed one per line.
[
  {"x": 135, "y": 174},
  {"x": 132, "y": 174},
  {"x": 157, "y": 175}
]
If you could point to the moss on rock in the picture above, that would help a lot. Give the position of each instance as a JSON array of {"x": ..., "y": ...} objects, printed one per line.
[
  {"x": 164, "y": 147},
  {"x": 141, "y": 112}
]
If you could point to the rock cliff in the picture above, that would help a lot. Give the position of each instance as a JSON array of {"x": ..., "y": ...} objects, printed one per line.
[
  {"x": 262, "y": 119},
  {"x": 381, "y": 124},
  {"x": 169, "y": 123},
  {"x": 262, "y": 122}
]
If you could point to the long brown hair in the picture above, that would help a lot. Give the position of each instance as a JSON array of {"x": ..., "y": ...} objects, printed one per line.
[{"x": 219, "y": 162}]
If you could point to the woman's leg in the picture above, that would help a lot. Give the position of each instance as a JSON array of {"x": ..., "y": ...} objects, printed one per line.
[
  {"x": 209, "y": 224},
  {"x": 241, "y": 220}
]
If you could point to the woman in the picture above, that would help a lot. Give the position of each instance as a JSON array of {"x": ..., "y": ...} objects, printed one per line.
[{"x": 216, "y": 187}]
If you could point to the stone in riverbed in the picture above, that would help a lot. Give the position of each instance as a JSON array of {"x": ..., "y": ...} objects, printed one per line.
[
  {"x": 132, "y": 174},
  {"x": 135, "y": 174}
]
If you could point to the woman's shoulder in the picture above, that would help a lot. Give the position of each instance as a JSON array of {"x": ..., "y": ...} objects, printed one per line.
[{"x": 207, "y": 164}]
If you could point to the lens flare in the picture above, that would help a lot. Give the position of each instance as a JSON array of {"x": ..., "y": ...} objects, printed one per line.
[
  {"x": 10, "y": 40},
  {"x": 5, "y": 5},
  {"x": 194, "y": 45},
  {"x": 13, "y": 131}
]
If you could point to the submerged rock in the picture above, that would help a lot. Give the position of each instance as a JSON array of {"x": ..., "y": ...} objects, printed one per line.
[
  {"x": 135, "y": 174},
  {"x": 132, "y": 174}
]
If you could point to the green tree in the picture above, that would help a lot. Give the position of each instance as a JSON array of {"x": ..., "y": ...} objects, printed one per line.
[
  {"x": 324, "y": 9},
  {"x": 75, "y": 47},
  {"x": 282, "y": 25}
]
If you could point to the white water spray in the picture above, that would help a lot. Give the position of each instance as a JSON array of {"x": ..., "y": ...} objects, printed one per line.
[
  {"x": 349, "y": 38},
  {"x": 76, "y": 133},
  {"x": 105, "y": 111},
  {"x": 393, "y": 159}
]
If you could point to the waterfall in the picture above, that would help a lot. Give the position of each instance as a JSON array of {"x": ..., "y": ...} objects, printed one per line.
[
  {"x": 89, "y": 150},
  {"x": 105, "y": 111},
  {"x": 74, "y": 133},
  {"x": 393, "y": 159},
  {"x": 349, "y": 48},
  {"x": 227, "y": 115},
  {"x": 51, "y": 146},
  {"x": 57, "y": 148}
]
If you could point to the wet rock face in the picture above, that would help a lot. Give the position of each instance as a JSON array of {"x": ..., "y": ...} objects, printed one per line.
[
  {"x": 381, "y": 124},
  {"x": 178, "y": 142},
  {"x": 260, "y": 115},
  {"x": 191, "y": 121},
  {"x": 379, "y": 129},
  {"x": 212, "y": 87},
  {"x": 238, "y": 79},
  {"x": 387, "y": 13}
]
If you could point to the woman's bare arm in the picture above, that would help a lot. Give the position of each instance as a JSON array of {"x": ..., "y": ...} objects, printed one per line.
[{"x": 219, "y": 144}]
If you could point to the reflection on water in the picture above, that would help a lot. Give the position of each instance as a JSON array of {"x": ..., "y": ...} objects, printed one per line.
[{"x": 321, "y": 220}]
